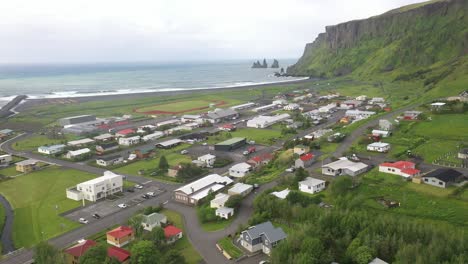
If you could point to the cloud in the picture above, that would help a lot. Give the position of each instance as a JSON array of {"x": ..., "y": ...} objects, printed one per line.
[{"x": 157, "y": 30}]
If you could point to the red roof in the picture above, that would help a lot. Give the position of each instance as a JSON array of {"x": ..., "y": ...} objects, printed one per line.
[
  {"x": 120, "y": 254},
  {"x": 399, "y": 165},
  {"x": 79, "y": 249},
  {"x": 262, "y": 157},
  {"x": 228, "y": 126},
  {"x": 410, "y": 171},
  {"x": 170, "y": 231},
  {"x": 307, "y": 157},
  {"x": 121, "y": 231},
  {"x": 257, "y": 159},
  {"x": 127, "y": 131}
]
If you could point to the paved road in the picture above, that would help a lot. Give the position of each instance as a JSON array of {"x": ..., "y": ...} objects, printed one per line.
[{"x": 6, "y": 237}]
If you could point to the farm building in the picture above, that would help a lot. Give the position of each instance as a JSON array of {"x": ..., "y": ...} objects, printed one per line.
[
  {"x": 193, "y": 192},
  {"x": 230, "y": 144}
]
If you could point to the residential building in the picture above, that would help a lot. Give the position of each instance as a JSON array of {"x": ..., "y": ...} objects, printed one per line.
[
  {"x": 301, "y": 149},
  {"x": 381, "y": 133},
  {"x": 240, "y": 189},
  {"x": 318, "y": 134},
  {"x": 311, "y": 185},
  {"x": 75, "y": 252},
  {"x": 262, "y": 237},
  {"x": 224, "y": 212},
  {"x": 172, "y": 234},
  {"x": 27, "y": 165},
  {"x": 386, "y": 125},
  {"x": 122, "y": 255},
  {"x": 358, "y": 114},
  {"x": 404, "y": 169},
  {"x": 80, "y": 142},
  {"x": 378, "y": 147},
  {"x": 240, "y": 170},
  {"x": 442, "y": 178},
  {"x": 169, "y": 143},
  {"x": 304, "y": 161},
  {"x": 376, "y": 100},
  {"x": 97, "y": 188},
  {"x": 361, "y": 98},
  {"x": 411, "y": 115},
  {"x": 291, "y": 107},
  {"x": 463, "y": 153},
  {"x": 281, "y": 194},
  {"x": 260, "y": 160},
  {"x": 327, "y": 108},
  {"x": 378, "y": 261},
  {"x": 73, "y": 120},
  {"x": 343, "y": 166},
  {"x": 50, "y": 150},
  {"x": 6, "y": 132},
  {"x": 5, "y": 160},
  {"x": 208, "y": 159},
  {"x": 219, "y": 200},
  {"x": 144, "y": 152},
  {"x": 280, "y": 102},
  {"x": 104, "y": 137},
  {"x": 153, "y": 220},
  {"x": 130, "y": 141},
  {"x": 120, "y": 236},
  {"x": 265, "y": 107},
  {"x": 227, "y": 127},
  {"x": 110, "y": 160},
  {"x": 230, "y": 144},
  {"x": 171, "y": 122},
  {"x": 106, "y": 147},
  {"x": 193, "y": 192},
  {"x": 242, "y": 106},
  {"x": 350, "y": 104},
  {"x": 153, "y": 136},
  {"x": 74, "y": 154},
  {"x": 262, "y": 121},
  {"x": 125, "y": 132},
  {"x": 191, "y": 118},
  {"x": 219, "y": 115}
]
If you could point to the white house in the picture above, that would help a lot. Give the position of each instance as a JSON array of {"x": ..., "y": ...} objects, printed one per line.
[
  {"x": 129, "y": 141},
  {"x": 327, "y": 108},
  {"x": 361, "y": 98},
  {"x": 291, "y": 107},
  {"x": 73, "y": 154},
  {"x": 109, "y": 161},
  {"x": 381, "y": 133},
  {"x": 208, "y": 159},
  {"x": 242, "y": 106},
  {"x": 195, "y": 191},
  {"x": 80, "y": 142},
  {"x": 153, "y": 220},
  {"x": 5, "y": 159},
  {"x": 219, "y": 200},
  {"x": 404, "y": 169},
  {"x": 343, "y": 166},
  {"x": 153, "y": 136},
  {"x": 311, "y": 185},
  {"x": 49, "y": 150},
  {"x": 224, "y": 212},
  {"x": 378, "y": 147},
  {"x": 262, "y": 121},
  {"x": 265, "y": 107},
  {"x": 240, "y": 189},
  {"x": 191, "y": 118},
  {"x": 358, "y": 114},
  {"x": 376, "y": 100},
  {"x": 97, "y": 189},
  {"x": 240, "y": 170},
  {"x": 280, "y": 102}
]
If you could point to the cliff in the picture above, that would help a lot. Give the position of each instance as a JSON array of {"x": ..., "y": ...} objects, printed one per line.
[{"x": 403, "y": 40}]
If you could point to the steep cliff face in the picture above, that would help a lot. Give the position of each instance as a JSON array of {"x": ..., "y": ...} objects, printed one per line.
[{"x": 401, "y": 40}]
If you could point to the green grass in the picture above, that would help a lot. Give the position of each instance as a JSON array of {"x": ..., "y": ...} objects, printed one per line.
[
  {"x": 32, "y": 143},
  {"x": 260, "y": 136},
  {"x": 179, "y": 106},
  {"x": 227, "y": 245},
  {"x": 183, "y": 245},
  {"x": 218, "y": 225},
  {"x": 9, "y": 171},
  {"x": 34, "y": 197}
]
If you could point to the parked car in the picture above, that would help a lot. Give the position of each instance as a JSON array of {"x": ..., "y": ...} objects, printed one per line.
[
  {"x": 152, "y": 194},
  {"x": 183, "y": 152},
  {"x": 122, "y": 205},
  {"x": 83, "y": 220},
  {"x": 256, "y": 186},
  {"x": 96, "y": 216},
  {"x": 138, "y": 186},
  {"x": 145, "y": 196},
  {"x": 204, "y": 144}
]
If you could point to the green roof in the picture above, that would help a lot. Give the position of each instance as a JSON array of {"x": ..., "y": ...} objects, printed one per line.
[{"x": 231, "y": 141}]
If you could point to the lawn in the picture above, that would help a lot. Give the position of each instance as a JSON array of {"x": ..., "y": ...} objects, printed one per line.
[
  {"x": 9, "y": 171},
  {"x": 260, "y": 136},
  {"x": 218, "y": 225},
  {"x": 36, "y": 216},
  {"x": 179, "y": 106},
  {"x": 227, "y": 245},
  {"x": 32, "y": 143},
  {"x": 183, "y": 244}
]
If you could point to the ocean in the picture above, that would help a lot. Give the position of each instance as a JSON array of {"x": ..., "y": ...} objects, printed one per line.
[{"x": 67, "y": 80}]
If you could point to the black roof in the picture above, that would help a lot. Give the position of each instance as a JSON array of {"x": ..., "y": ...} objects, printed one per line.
[
  {"x": 109, "y": 158},
  {"x": 464, "y": 151},
  {"x": 108, "y": 145},
  {"x": 445, "y": 175}
]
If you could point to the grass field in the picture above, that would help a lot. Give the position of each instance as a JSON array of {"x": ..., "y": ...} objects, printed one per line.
[
  {"x": 218, "y": 225},
  {"x": 9, "y": 171},
  {"x": 227, "y": 245},
  {"x": 182, "y": 106},
  {"x": 34, "y": 198},
  {"x": 32, "y": 143},
  {"x": 260, "y": 136},
  {"x": 183, "y": 245}
]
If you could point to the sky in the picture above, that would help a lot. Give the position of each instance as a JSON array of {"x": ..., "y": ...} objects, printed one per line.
[{"x": 82, "y": 31}]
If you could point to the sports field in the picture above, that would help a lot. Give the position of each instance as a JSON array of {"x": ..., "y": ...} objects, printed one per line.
[{"x": 179, "y": 107}]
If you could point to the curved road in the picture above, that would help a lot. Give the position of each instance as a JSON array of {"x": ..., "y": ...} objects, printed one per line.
[{"x": 6, "y": 237}]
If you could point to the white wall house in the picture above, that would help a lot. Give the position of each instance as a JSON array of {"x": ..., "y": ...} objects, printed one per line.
[
  {"x": 381, "y": 133},
  {"x": 240, "y": 170},
  {"x": 327, "y": 108},
  {"x": 96, "y": 189},
  {"x": 49, "y": 150},
  {"x": 291, "y": 107},
  {"x": 153, "y": 136},
  {"x": 129, "y": 141},
  {"x": 266, "y": 121},
  {"x": 343, "y": 166},
  {"x": 224, "y": 212},
  {"x": 358, "y": 114},
  {"x": 5, "y": 159},
  {"x": 208, "y": 159},
  {"x": 378, "y": 147},
  {"x": 219, "y": 200},
  {"x": 311, "y": 185},
  {"x": 73, "y": 154}
]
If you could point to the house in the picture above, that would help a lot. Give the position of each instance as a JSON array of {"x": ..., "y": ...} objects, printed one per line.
[
  {"x": 381, "y": 133},
  {"x": 193, "y": 192},
  {"x": 242, "y": 106},
  {"x": 405, "y": 169},
  {"x": 120, "y": 254},
  {"x": 304, "y": 161},
  {"x": 97, "y": 188},
  {"x": 378, "y": 261},
  {"x": 168, "y": 123},
  {"x": 463, "y": 154},
  {"x": 442, "y": 178},
  {"x": 6, "y": 132},
  {"x": 318, "y": 134},
  {"x": 329, "y": 108},
  {"x": 350, "y": 104},
  {"x": 301, "y": 149},
  {"x": 361, "y": 98},
  {"x": 5, "y": 160},
  {"x": 146, "y": 129},
  {"x": 224, "y": 212},
  {"x": 358, "y": 114},
  {"x": 173, "y": 171},
  {"x": 73, "y": 120},
  {"x": 263, "y": 121},
  {"x": 240, "y": 170},
  {"x": 411, "y": 115},
  {"x": 260, "y": 160},
  {"x": 74, "y": 253},
  {"x": 74, "y": 154},
  {"x": 219, "y": 200},
  {"x": 169, "y": 143},
  {"x": 104, "y": 137},
  {"x": 377, "y": 100},
  {"x": 191, "y": 118},
  {"x": 80, "y": 142},
  {"x": 106, "y": 147},
  {"x": 281, "y": 194},
  {"x": 240, "y": 189},
  {"x": 110, "y": 160},
  {"x": 280, "y": 102},
  {"x": 227, "y": 127},
  {"x": 219, "y": 115},
  {"x": 144, "y": 152},
  {"x": 230, "y": 144},
  {"x": 152, "y": 136},
  {"x": 50, "y": 150},
  {"x": 130, "y": 141},
  {"x": 337, "y": 137},
  {"x": 311, "y": 185},
  {"x": 266, "y": 107},
  {"x": 262, "y": 237},
  {"x": 386, "y": 125},
  {"x": 125, "y": 132},
  {"x": 378, "y": 147},
  {"x": 343, "y": 166},
  {"x": 153, "y": 220},
  {"x": 27, "y": 165},
  {"x": 172, "y": 234},
  {"x": 120, "y": 236},
  {"x": 208, "y": 160},
  {"x": 291, "y": 107}
]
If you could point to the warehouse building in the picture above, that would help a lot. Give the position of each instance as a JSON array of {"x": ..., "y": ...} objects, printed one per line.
[
  {"x": 76, "y": 120},
  {"x": 230, "y": 144}
]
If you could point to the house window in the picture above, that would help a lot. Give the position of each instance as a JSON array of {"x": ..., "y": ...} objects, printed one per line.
[{"x": 441, "y": 183}]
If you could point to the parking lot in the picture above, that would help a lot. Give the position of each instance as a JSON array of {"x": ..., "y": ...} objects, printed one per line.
[{"x": 108, "y": 207}]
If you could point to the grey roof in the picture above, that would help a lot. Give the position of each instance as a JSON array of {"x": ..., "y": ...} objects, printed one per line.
[
  {"x": 221, "y": 113},
  {"x": 154, "y": 218},
  {"x": 377, "y": 261},
  {"x": 268, "y": 230}
]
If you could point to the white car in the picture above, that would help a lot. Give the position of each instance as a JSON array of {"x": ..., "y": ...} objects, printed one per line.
[
  {"x": 152, "y": 194},
  {"x": 292, "y": 169},
  {"x": 138, "y": 186},
  {"x": 183, "y": 152},
  {"x": 122, "y": 205},
  {"x": 83, "y": 221},
  {"x": 204, "y": 144}
]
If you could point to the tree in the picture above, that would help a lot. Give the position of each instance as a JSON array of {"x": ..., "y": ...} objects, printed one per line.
[
  {"x": 135, "y": 223},
  {"x": 234, "y": 201},
  {"x": 163, "y": 164},
  {"x": 44, "y": 253},
  {"x": 189, "y": 171},
  {"x": 144, "y": 252},
  {"x": 112, "y": 261},
  {"x": 157, "y": 236},
  {"x": 94, "y": 255},
  {"x": 173, "y": 257},
  {"x": 300, "y": 175},
  {"x": 341, "y": 185}
]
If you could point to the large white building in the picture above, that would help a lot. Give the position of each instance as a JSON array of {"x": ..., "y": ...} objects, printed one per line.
[
  {"x": 96, "y": 189},
  {"x": 262, "y": 121}
]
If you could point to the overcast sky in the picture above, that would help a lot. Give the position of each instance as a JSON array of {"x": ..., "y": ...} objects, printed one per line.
[{"x": 169, "y": 30}]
